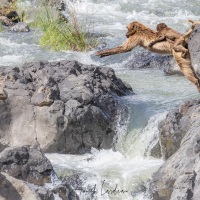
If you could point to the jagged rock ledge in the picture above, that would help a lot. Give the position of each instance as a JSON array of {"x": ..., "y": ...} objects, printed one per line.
[
  {"x": 64, "y": 107},
  {"x": 24, "y": 173},
  {"x": 179, "y": 136}
]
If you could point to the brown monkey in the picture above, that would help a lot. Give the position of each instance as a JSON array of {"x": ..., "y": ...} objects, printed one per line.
[
  {"x": 171, "y": 35},
  {"x": 165, "y": 32},
  {"x": 140, "y": 35},
  {"x": 183, "y": 40},
  {"x": 185, "y": 63}
]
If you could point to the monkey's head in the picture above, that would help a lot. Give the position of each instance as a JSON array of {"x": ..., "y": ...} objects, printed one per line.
[
  {"x": 132, "y": 28},
  {"x": 161, "y": 26}
]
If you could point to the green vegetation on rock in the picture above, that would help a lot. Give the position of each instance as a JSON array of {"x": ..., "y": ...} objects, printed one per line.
[{"x": 60, "y": 34}]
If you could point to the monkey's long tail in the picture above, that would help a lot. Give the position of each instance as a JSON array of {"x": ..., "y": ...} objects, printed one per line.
[{"x": 193, "y": 23}]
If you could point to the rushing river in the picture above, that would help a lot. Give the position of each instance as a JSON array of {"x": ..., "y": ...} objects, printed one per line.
[{"x": 127, "y": 167}]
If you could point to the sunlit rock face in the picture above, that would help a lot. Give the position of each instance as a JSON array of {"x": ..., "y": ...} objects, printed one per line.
[
  {"x": 61, "y": 106},
  {"x": 179, "y": 139}
]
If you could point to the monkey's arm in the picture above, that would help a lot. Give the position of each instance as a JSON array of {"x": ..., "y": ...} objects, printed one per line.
[
  {"x": 157, "y": 40},
  {"x": 125, "y": 47},
  {"x": 183, "y": 38}
]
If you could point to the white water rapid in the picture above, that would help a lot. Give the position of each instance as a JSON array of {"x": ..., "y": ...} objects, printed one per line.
[{"x": 126, "y": 168}]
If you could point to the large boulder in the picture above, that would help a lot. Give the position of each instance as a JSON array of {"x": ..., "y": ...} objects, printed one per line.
[
  {"x": 61, "y": 106},
  {"x": 179, "y": 177},
  {"x": 148, "y": 60},
  {"x": 27, "y": 164},
  {"x": 194, "y": 47},
  {"x": 145, "y": 59},
  {"x": 174, "y": 127},
  {"x": 14, "y": 189},
  {"x": 25, "y": 173}
]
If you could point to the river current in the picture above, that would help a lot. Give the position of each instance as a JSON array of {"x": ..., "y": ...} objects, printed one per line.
[{"x": 127, "y": 167}]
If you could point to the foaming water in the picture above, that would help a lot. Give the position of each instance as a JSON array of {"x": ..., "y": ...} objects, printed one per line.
[
  {"x": 16, "y": 48},
  {"x": 126, "y": 168},
  {"x": 110, "y": 17},
  {"x": 105, "y": 169},
  {"x": 149, "y": 12}
]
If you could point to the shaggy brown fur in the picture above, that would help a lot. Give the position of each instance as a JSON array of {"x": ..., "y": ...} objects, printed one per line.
[
  {"x": 185, "y": 63},
  {"x": 170, "y": 35},
  {"x": 165, "y": 32},
  {"x": 140, "y": 35}
]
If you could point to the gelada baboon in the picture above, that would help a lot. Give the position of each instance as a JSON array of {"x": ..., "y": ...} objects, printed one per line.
[
  {"x": 171, "y": 35},
  {"x": 140, "y": 35}
]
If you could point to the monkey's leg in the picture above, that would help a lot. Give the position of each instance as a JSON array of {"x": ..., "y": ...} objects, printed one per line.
[
  {"x": 3, "y": 95},
  {"x": 187, "y": 68},
  {"x": 157, "y": 40},
  {"x": 181, "y": 48}
]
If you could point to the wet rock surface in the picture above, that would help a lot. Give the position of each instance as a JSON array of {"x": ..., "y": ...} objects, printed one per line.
[
  {"x": 14, "y": 189},
  {"x": 179, "y": 177},
  {"x": 61, "y": 106},
  {"x": 148, "y": 60},
  {"x": 145, "y": 59},
  {"x": 27, "y": 164},
  {"x": 25, "y": 173}
]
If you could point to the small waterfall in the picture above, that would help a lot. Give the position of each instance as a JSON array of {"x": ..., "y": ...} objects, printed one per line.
[
  {"x": 101, "y": 172},
  {"x": 139, "y": 139}
]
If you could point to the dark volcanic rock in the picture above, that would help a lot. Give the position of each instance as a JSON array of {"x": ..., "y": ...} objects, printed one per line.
[
  {"x": 14, "y": 189},
  {"x": 63, "y": 190},
  {"x": 24, "y": 174},
  {"x": 62, "y": 106},
  {"x": 27, "y": 164},
  {"x": 179, "y": 177},
  {"x": 146, "y": 59}
]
